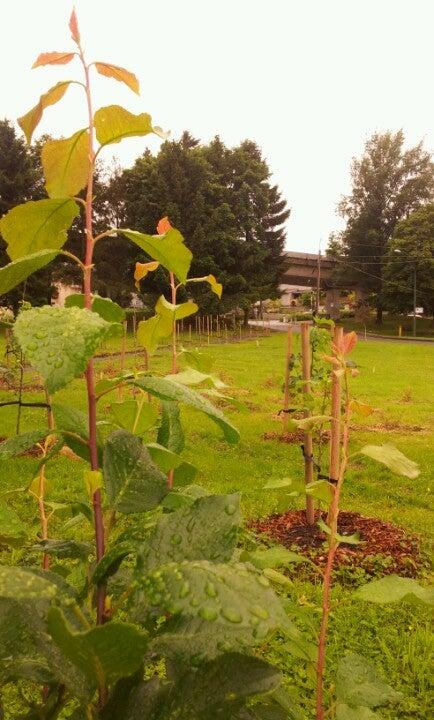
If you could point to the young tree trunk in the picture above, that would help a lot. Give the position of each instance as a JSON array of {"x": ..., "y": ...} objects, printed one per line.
[{"x": 246, "y": 312}]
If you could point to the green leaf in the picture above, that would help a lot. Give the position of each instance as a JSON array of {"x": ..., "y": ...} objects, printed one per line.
[
  {"x": 320, "y": 490},
  {"x": 170, "y": 433},
  {"x": 175, "y": 312},
  {"x": 295, "y": 487},
  {"x": 29, "y": 122},
  {"x": 37, "y": 225},
  {"x": 133, "y": 483},
  {"x": 105, "y": 653},
  {"x": 164, "y": 459},
  {"x": 272, "y": 557},
  {"x": 59, "y": 341},
  {"x": 66, "y": 165},
  {"x": 311, "y": 422},
  {"x": 190, "y": 376},
  {"x": 216, "y": 287},
  {"x": 169, "y": 390},
  {"x": 238, "y": 604},
  {"x": 21, "y": 443},
  {"x": 184, "y": 474},
  {"x": 69, "y": 419},
  {"x": 197, "y": 360},
  {"x": 106, "y": 308},
  {"x": 359, "y": 686},
  {"x": 168, "y": 249},
  {"x": 345, "y": 712},
  {"x": 25, "y": 598},
  {"x": 12, "y": 531},
  {"x": 114, "y": 123},
  {"x": 152, "y": 331},
  {"x": 393, "y": 459},
  {"x": 110, "y": 562},
  {"x": 21, "y": 584},
  {"x": 64, "y": 548},
  {"x": 218, "y": 689},
  {"x": 118, "y": 73},
  {"x": 392, "y": 588},
  {"x": 206, "y": 530},
  {"x": 345, "y": 539},
  {"x": 13, "y": 274},
  {"x": 134, "y": 416}
]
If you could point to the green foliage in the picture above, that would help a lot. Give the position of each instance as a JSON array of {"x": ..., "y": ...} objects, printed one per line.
[
  {"x": 12, "y": 531},
  {"x": 15, "y": 272},
  {"x": 132, "y": 481},
  {"x": 393, "y": 458},
  {"x": 66, "y": 165},
  {"x": 114, "y": 123},
  {"x": 358, "y": 689},
  {"x": 60, "y": 341},
  {"x": 170, "y": 432},
  {"x": 105, "y": 307},
  {"x": 389, "y": 182},
  {"x": 151, "y": 332},
  {"x": 20, "y": 443},
  {"x": 206, "y": 530},
  {"x": 39, "y": 225},
  {"x": 134, "y": 416},
  {"x": 104, "y": 654},
  {"x": 392, "y": 589},
  {"x": 169, "y": 390},
  {"x": 168, "y": 249}
]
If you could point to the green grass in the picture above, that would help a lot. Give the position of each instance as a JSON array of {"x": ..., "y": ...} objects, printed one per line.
[
  {"x": 390, "y": 326},
  {"x": 397, "y": 379}
]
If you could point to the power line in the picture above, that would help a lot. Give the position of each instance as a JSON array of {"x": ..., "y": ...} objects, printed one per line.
[{"x": 406, "y": 288}]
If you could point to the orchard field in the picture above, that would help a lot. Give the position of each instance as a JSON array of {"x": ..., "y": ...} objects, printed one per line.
[{"x": 394, "y": 378}]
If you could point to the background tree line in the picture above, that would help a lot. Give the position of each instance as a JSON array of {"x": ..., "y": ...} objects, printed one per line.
[
  {"x": 221, "y": 199},
  {"x": 387, "y": 246}
]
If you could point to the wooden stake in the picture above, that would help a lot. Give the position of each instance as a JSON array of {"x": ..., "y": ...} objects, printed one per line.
[
  {"x": 308, "y": 444},
  {"x": 287, "y": 373},
  {"x": 335, "y": 437}
]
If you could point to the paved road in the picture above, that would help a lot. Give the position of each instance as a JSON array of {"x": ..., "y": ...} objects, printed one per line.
[{"x": 283, "y": 327}]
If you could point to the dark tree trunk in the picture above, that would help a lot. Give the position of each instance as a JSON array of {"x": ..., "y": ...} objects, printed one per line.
[
  {"x": 379, "y": 318},
  {"x": 246, "y": 317}
]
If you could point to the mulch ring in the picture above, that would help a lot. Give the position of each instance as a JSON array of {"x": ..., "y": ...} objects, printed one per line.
[
  {"x": 291, "y": 437},
  {"x": 385, "y": 548},
  {"x": 35, "y": 451}
]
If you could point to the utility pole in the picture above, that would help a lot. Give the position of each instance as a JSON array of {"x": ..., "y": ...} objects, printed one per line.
[{"x": 318, "y": 280}]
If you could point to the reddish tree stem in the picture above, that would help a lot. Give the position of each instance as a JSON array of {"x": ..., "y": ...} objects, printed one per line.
[
  {"x": 333, "y": 545},
  {"x": 174, "y": 350},
  {"x": 308, "y": 443},
  {"x": 90, "y": 381}
]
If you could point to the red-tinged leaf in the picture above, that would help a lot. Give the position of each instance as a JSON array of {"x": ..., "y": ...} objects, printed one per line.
[
  {"x": 163, "y": 226},
  {"x": 73, "y": 26},
  {"x": 330, "y": 359},
  {"x": 120, "y": 74},
  {"x": 349, "y": 342},
  {"x": 53, "y": 58}
]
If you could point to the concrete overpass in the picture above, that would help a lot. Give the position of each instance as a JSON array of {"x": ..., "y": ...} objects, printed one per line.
[{"x": 303, "y": 270}]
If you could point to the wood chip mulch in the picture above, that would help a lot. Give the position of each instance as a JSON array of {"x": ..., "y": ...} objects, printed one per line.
[{"x": 385, "y": 548}]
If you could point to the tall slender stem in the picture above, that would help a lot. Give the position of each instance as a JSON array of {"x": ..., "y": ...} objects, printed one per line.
[
  {"x": 333, "y": 546},
  {"x": 174, "y": 350},
  {"x": 90, "y": 381},
  {"x": 308, "y": 443}
]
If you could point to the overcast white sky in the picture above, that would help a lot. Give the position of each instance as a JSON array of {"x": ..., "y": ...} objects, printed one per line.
[{"x": 308, "y": 80}]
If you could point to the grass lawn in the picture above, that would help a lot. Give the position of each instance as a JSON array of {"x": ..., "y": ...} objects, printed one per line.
[{"x": 398, "y": 379}]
